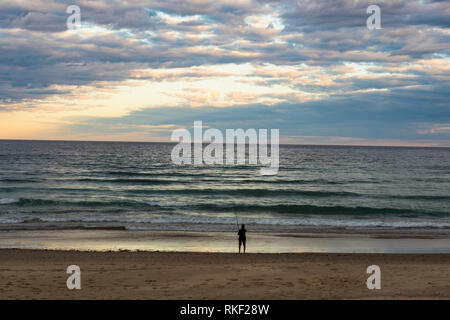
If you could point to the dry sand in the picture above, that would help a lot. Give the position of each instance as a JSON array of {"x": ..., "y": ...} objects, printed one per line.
[{"x": 41, "y": 274}]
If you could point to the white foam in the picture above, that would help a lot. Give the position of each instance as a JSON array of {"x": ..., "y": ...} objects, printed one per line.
[{"x": 8, "y": 200}]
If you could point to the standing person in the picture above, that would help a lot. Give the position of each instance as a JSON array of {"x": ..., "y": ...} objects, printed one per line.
[{"x": 242, "y": 238}]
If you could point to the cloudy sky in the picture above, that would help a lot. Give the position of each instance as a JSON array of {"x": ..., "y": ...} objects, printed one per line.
[{"x": 137, "y": 69}]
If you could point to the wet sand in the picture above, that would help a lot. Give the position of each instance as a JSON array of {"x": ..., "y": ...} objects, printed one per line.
[
  {"x": 225, "y": 242},
  {"x": 41, "y": 274}
]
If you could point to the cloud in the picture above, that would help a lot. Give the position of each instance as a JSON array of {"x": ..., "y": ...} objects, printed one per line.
[
  {"x": 310, "y": 15},
  {"x": 310, "y": 67}
]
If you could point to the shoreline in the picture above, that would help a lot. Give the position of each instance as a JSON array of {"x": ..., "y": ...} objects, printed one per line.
[
  {"x": 225, "y": 242},
  {"x": 41, "y": 274}
]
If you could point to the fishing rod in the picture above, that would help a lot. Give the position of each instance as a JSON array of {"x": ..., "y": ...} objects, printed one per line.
[{"x": 237, "y": 221}]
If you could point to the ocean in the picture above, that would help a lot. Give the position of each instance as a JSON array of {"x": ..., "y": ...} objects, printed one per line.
[{"x": 135, "y": 186}]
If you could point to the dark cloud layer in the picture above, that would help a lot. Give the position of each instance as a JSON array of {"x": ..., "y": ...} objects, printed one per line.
[{"x": 316, "y": 32}]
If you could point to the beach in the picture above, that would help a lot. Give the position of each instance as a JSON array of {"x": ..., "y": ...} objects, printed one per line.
[
  {"x": 129, "y": 264},
  {"x": 41, "y": 274}
]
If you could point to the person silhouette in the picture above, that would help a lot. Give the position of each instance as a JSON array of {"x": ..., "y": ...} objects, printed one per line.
[{"x": 242, "y": 238}]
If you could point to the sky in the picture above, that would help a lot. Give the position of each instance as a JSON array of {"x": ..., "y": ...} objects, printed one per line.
[{"x": 136, "y": 70}]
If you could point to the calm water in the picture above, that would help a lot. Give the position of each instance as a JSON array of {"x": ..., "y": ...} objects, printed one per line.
[{"x": 63, "y": 184}]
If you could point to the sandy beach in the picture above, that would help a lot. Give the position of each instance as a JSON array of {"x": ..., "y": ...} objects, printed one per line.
[{"x": 41, "y": 274}]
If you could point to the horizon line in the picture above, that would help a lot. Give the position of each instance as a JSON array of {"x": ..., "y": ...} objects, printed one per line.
[{"x": 281, "y": 144}]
